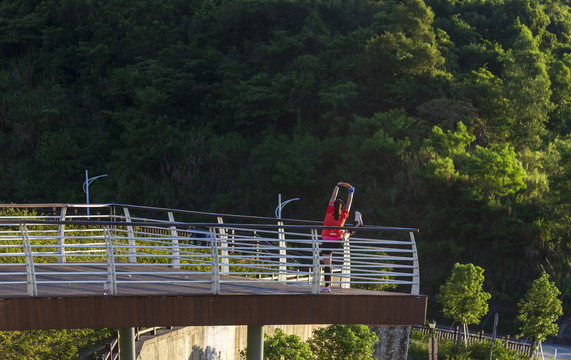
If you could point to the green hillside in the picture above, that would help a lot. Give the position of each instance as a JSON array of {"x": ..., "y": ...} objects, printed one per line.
[{"x": 450, "y": 116}]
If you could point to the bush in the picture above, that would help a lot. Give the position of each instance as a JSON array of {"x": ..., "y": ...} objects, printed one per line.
[
  {"x": 482, "y": 351},
  {"x": 337, "y": 342},
  {"x": 49, "y": 344},
  {"x": 418, "y": 350},
  {"x": 334, "y": 342},
  {"x": 282, "y": 346}
]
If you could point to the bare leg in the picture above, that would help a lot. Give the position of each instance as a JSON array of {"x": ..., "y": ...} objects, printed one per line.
[{"x": 327, "y": 268}]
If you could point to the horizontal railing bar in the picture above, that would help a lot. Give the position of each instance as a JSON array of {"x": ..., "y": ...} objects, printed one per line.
[
  {"x": 208, "y": 225},
  {"x": 12, "y": 273}
]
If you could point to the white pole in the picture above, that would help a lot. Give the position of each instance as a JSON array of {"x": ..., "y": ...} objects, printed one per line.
[
  {"x": 280, "y": 206},
  {"x": 494, "y": 335},
  {"x": 278, "y": 211},
  {"x": 86, "y": 188}
]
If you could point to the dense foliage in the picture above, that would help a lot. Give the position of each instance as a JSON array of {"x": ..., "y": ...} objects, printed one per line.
[
  {"x": 49, "y": 344},
  {"x": 449, "y": 116},
  {"x": 338, "y": 342},
  {"x": 333, "y": 342}
]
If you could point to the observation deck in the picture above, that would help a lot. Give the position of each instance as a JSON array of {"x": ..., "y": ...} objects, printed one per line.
[{"x": 126, "y": 266}]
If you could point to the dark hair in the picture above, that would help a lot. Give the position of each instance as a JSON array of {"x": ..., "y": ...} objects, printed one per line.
[{"x": 337, "y": 207}]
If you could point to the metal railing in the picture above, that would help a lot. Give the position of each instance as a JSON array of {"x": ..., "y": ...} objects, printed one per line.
[
  {"x": 112, "y": 350},
  {"x": 209, "y": 248},
  {"x": 506, "y": 341}
]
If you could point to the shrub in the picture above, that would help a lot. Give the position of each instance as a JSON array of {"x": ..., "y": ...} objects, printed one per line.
[{"x": 418, "y": 350}]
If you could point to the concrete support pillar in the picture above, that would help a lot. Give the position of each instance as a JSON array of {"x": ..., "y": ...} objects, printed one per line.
[
  {"x": 127, "y": 343},
  {"x": 393, "y": 342},
  {"x": 255, "y": 349}
]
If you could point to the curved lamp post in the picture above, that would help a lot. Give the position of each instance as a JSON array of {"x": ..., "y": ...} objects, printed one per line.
[
  {"x": 278, "y": 211},
  {"x": 88, "y": 181}
]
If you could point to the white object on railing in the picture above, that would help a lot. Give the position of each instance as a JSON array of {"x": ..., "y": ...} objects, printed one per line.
[
  {"x": 61, "y": 236},
  {"x": 175, "y": 249},
  {"x": 30, "y": 268}
]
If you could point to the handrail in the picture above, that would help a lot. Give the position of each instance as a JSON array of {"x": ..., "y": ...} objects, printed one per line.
[
  {"x": 176, "y": 224},
  {"x": 112, "y": 349},
  {"x": 285, "y": 251},
  {"x": 179, "y": 211}
]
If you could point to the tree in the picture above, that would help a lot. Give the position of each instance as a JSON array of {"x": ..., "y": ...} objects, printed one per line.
[
  {"x": 462, "y": 296},
  {"x": 282, "y": 346},
  {"x": 527, "y": 87},
  {"x": 404, "y": 49},
  {"x": 494, "y": 172},
  {"x": 539, "y": 309},
  {"x": 338, "y": 342}
]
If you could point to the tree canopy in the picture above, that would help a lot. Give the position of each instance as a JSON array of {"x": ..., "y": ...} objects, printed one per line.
[
  {"x": 539, "y": 309},
  {"x": 462, "y": 295}
]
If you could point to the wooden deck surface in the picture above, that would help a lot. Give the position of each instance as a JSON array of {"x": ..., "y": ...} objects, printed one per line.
[{"x": 177, "y": 298}]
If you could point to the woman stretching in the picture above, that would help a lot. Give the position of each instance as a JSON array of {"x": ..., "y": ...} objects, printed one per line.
[{"x": 336, "y": 215}]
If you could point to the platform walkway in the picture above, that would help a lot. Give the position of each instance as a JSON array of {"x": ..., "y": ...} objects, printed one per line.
[{"x": 126, "y": 266}]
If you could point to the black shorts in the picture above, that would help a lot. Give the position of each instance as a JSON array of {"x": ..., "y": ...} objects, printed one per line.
[{"x": 331, "y": 245}]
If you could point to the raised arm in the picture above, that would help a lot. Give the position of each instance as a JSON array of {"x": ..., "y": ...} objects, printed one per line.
[
  {"x": 349, "y": 199},
  {"x": 334, "y": 194}
]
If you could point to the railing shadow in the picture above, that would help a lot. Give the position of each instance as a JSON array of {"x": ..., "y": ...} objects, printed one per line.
[{"x": 205, "y": 354}]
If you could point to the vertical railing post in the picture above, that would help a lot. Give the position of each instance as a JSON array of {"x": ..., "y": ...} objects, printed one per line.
[
  {"x": 346, "y": 269},
  {"x": 415, "y": 288},
  {"x": 175, "y": 248},
  {"x": 30, "y": 268},
  {"x": 224, "y": 261},
  {"x": 131, "y": 235},
  {"x": 282, "y": 259},
  {"x": 316, "y": 262},
  {"x": 215, "y": 261},
  {"x": 111, "y": 274},
  {"x": 61, "y": 237}
]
